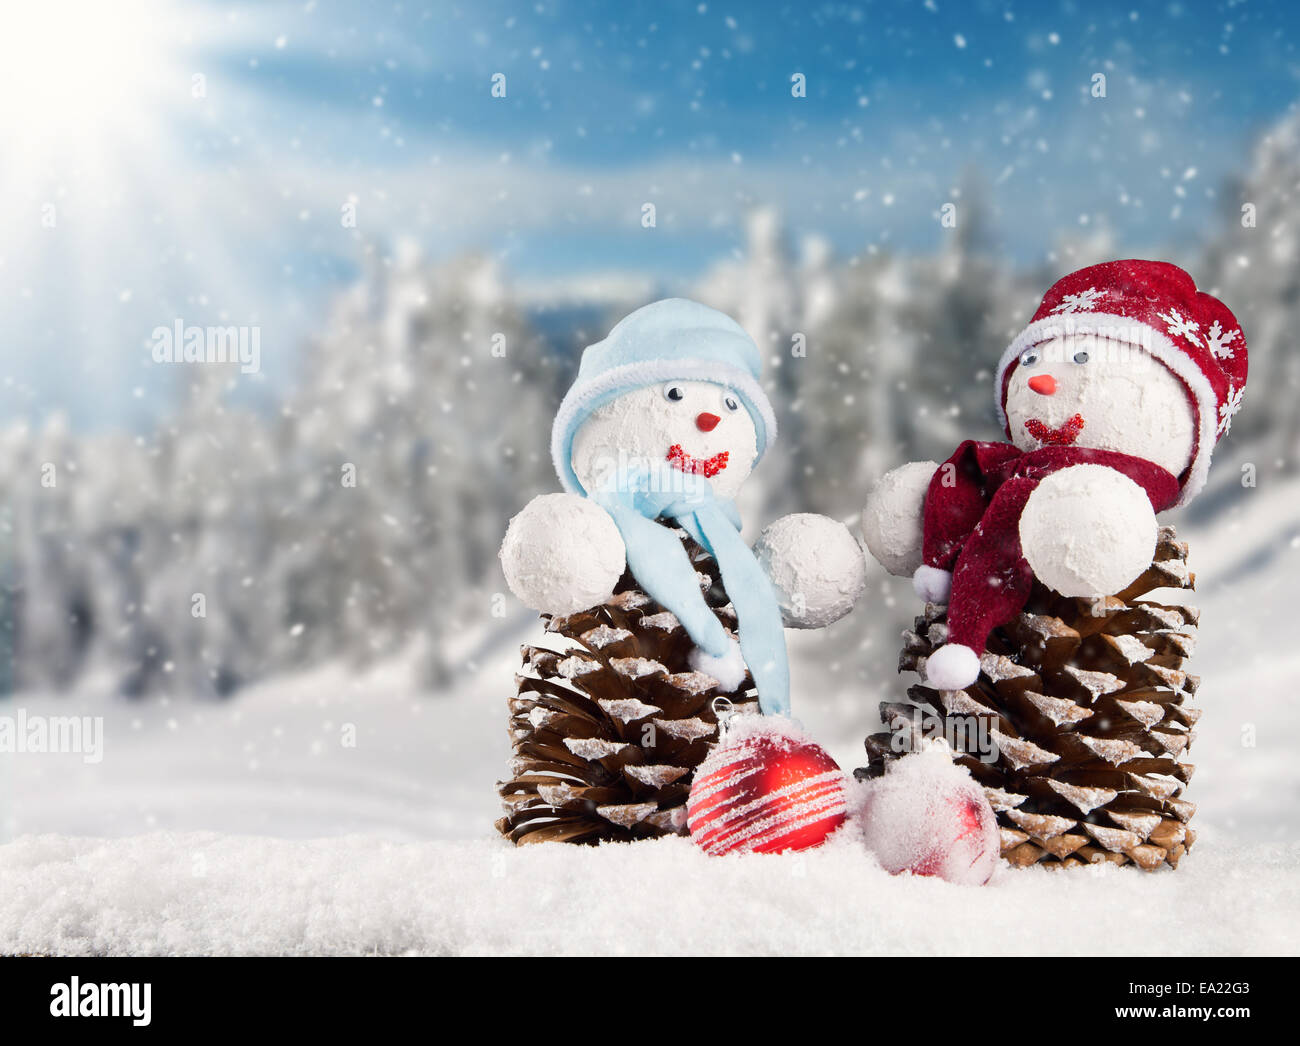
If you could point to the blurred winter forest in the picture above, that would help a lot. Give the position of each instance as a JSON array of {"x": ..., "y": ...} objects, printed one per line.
[{"x": 360, "y": 517}]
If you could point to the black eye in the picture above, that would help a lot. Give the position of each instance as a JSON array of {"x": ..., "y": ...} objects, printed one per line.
[
  {"x": 731, "y": 403},
  {"x": 674, "y": 393},
  {"x": 1081, "y": 356},
  {"x": 1030, "y": 358}
]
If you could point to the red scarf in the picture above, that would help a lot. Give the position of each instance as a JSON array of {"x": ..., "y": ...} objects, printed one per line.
[{"x": 985, "y": 486}]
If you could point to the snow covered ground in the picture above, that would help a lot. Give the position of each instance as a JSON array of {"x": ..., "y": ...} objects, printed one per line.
[
  {"x": 210, "y": 893},
  {"x": 340, "y": 813}
]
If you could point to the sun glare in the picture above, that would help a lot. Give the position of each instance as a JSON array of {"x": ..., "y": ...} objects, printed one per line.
[
  {"x": 100, "y": 109},
  {"x": 75, "y": 73}
]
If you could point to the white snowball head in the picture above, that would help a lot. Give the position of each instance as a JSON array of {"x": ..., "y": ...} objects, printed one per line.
[
  {"x": 892, "y": 517},
  {"x": 1088, "y": 391},
  {"x": 562, "y": 554},
  {"x": 706, "y": 421},
  {"x": 1088, "y": 530},
  {"x": 928, "y": 816},
  {"x": 816, "y": 567}
]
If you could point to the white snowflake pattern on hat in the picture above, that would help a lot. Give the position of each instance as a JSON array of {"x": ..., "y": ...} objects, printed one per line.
[
  {"x": 1228, "y": 410},
  {"x": 1219, "y": 341},
  {"x": 1181, "y": 326},
  {"x": 1081, "y": 302}
]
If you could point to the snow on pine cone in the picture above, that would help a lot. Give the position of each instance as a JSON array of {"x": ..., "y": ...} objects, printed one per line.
[
  {"x": 1089, "y": 706},
  {"x": 609, "y": 728},
  {"x": 765, "y": 789}
]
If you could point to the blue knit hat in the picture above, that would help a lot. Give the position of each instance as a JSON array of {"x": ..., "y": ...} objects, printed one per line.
[{"x": 670, "y": 340}]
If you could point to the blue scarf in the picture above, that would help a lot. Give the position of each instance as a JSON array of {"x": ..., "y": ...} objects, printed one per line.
[{"x": 635, "y": 498}]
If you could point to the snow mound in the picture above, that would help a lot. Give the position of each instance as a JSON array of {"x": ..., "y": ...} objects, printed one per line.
[{"x": 204, "y": 893}]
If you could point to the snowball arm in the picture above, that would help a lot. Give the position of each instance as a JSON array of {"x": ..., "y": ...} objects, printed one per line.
[
  {"x": 1088, "y": 530},
  {"x": 816, "y": 567},
  {"x": 893, "y": 517},
  {"x": 562, "y": 554}
]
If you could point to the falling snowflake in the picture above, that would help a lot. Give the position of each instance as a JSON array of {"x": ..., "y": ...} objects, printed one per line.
[
  {"x": 1219, "y": 341},
  {"x": 1081, "y": 302},
  {"x": 1181, "y": 327},
  {"x": 1229, "y": 408}
]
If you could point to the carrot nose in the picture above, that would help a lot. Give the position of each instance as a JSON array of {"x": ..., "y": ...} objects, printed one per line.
[
  {"x": 1043, "y": 384},
  {"x": 706, "y": 422}
]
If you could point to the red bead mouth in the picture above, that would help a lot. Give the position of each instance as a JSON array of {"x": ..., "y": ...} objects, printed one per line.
[
  {"x": 706, "y": 467},
  {"x": 1064, "y": 436}
]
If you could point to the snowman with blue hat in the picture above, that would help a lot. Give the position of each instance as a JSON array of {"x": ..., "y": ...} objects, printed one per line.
[{"x": 663, "y": 425}]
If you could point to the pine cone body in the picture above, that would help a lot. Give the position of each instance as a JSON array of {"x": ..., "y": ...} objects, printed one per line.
[
  {"x": 609, "y": 727},
  {"x": 1088, "y": 705}
]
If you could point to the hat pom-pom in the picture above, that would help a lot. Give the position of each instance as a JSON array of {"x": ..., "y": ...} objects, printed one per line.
[
  {"x": 932, "y": 584},
  {"x": 729, "y": 669},
  {"x": 952, "y": 667}
]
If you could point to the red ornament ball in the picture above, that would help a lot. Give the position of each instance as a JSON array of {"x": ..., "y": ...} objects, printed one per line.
[
  {"x": 765, "y": 789},
  {"x": 927, "y": 816}
]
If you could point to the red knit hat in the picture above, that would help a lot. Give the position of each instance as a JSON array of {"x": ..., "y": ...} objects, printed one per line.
[{"x": 1156, "y": 306}]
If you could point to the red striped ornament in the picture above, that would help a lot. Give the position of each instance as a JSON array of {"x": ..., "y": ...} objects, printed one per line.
[{"x": 765, "y": 791}]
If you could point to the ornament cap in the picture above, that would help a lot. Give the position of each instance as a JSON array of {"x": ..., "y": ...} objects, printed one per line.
[{"x": 725, "y": 712}]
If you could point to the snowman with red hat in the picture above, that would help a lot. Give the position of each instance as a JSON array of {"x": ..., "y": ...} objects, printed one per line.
[{"x": 1113, "y": 398}]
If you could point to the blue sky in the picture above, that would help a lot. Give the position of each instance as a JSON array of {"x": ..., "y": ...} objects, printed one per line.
[{"x": 225, "y": 207}]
